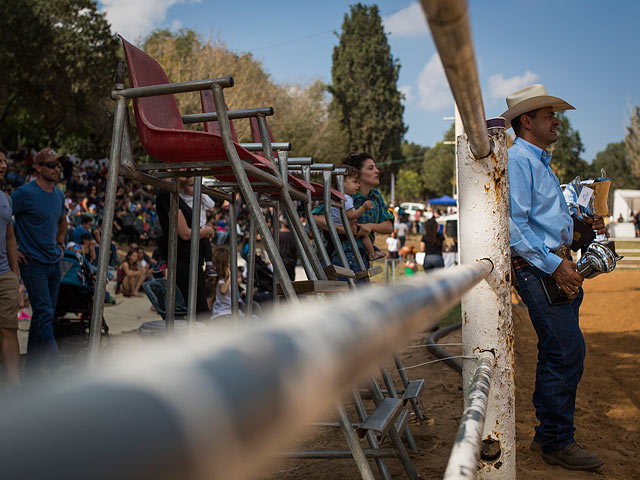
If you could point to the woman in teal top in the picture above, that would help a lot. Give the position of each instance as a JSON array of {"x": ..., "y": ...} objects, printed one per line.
[{"x": 376, "y": 220}]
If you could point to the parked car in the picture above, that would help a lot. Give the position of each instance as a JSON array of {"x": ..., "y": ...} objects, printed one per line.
[{"x": 410, "y": 208}]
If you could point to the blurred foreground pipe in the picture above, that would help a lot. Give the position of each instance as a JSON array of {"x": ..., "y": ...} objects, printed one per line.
[{"x": 216, "y": 406}]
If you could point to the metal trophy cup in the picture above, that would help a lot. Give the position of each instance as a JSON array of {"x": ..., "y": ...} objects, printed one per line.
[{"x": 588, "y": 198}]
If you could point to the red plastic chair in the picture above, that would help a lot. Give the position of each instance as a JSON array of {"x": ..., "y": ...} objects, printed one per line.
[
  {"x": 161, "y": 129},
  {"x": 163, "y": 135},
  {"x": 208, "y": 106}
]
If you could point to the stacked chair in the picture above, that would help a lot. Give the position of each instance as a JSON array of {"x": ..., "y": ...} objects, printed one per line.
[{"x": 261, "y": 178}]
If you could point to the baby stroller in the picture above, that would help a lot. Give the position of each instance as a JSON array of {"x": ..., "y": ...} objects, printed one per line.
[{"x": 75, "y": 296}]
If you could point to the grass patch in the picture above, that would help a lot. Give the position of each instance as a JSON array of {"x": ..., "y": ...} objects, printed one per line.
[
  {"x": 452, "y": 316},
  {"x": 627, "y": 244}
]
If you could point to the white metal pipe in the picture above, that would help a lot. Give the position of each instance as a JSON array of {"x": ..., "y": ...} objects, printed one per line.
[
  {"x": 216, "y": 406},
  {"x": 483, "y": 207},
  {"x": 194, "y": 253},
  {"x": 463, "y": 461},
  {"x": 451, "y": 31}
]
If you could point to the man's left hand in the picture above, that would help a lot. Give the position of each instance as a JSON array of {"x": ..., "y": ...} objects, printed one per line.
[{"x": 597, "y": 224}]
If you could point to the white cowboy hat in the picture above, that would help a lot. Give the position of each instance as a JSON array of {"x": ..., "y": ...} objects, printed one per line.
[{"x": 531, "y": 98}]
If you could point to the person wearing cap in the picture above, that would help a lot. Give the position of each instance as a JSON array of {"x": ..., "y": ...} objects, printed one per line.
[
  {"x": 9, "y": 286},
  {"x": 41, "y": 227},
  {"x": 541, "y": 230}
]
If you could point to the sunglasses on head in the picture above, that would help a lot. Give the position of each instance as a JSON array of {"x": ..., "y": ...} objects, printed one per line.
[{"x": 50, "y": 165}]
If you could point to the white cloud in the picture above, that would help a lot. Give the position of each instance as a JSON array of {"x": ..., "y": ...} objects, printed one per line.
[
  {"x": 406, "y": 91},
  {"x": 433, "y": 88},
  {"x": 134, "y": 19},
  {"x": 500, "y": 87},
  {"x": 408, "y": 22}
]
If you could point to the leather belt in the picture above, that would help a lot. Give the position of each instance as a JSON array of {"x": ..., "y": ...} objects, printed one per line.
[
  {"x": 562, "y": 252},
  {"x": 519, "y": 262}
]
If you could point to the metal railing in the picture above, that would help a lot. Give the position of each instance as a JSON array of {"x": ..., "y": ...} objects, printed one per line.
[
  {"x": 217, "y": 406},
  {"x": 451, "y": 30},
  {"x": 463, "y": 462},
  {"x": 483, "y": 196}
]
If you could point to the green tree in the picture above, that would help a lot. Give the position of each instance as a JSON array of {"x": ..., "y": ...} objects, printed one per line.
[
  {"x": 58, "y": 59},
  {"x": 438, "y": 168},
  {"x": 615, "y": 161},
  {"x": 566, "y": 161},
  {"x": 412, "y": 151},
  {"x": 409, "y": 185},
  {"x": 632, "y": 142},
  {"x": 364, "y": 86}
]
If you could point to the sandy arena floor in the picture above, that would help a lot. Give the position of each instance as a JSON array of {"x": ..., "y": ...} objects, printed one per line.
[{"x": 608, "y": 404}]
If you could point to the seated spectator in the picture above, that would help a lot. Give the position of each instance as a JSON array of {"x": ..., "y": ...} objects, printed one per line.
[
  {"x": 130, "y": 277},
  {"x": 91, "y": 198},
  {"x": 83, "y": 229},
  {"x": 88, "y": 247}
]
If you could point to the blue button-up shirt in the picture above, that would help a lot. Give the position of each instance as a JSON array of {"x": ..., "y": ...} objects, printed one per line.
[{"x": 539, "y": 220}]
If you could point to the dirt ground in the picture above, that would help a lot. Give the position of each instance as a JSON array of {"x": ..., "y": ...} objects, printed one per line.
[{"x": 608, "y": 403}]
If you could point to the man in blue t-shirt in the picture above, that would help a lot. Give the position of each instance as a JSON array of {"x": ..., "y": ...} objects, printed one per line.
[{"x": 40, "y": 227}]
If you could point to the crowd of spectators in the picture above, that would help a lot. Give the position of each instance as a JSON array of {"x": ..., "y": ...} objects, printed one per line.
[{"x": 83, "y": 183}]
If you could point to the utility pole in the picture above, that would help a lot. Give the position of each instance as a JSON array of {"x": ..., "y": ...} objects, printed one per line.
[{"x": 459, "y": 130}]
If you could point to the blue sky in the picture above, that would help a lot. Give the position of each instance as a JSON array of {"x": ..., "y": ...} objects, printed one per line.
[{"x": 584, "y": 51}]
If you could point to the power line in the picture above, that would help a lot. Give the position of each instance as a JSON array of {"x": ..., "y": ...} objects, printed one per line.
[
  {"x": 317, "y": 34},
  {"x": 292, "y": 41}
]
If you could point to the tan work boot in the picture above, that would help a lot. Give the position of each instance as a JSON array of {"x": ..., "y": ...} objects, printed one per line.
[{"x": 573, "y": 457}]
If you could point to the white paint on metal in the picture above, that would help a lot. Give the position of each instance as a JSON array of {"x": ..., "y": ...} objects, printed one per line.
[
  {"x": 464, "y": 457},
  {"x": 483, "y": 199}
]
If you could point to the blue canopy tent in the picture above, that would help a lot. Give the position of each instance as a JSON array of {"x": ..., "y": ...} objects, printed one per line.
[{"x": 443, "y": 200}]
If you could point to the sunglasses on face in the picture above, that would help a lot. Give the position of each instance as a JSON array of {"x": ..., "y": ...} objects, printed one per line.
[{"x": 51, "y": 165}]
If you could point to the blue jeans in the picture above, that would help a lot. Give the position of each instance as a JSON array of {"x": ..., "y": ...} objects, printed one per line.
[
  {"x": 353, "y": 264},
  {"x": 561, "y": 351},
  {"x": 42, "y": 282},
  {"x": 432, "y": 261}
]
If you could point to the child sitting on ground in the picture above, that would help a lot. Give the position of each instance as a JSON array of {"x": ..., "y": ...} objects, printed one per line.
[
  {"x": 222, "y": 302},
  {"x": 351, "y": 187}
]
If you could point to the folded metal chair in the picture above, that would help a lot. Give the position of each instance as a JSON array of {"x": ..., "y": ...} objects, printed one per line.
[
  {"x": 263, "y": 139},
  {"x": 181, "y": 152}
]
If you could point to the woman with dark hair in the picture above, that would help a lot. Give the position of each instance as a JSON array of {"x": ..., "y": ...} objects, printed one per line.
[
  {"x": 376, "y": 220},
  {"x": 91, "y": 198},
  {"x": 184, "y": 245},
  {"x": 431, "y": 245}
]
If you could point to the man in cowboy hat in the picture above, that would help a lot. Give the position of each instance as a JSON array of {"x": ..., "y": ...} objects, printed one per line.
[
  {"x": 41, "y": 226},
  {"x": 541, "y": 230}
]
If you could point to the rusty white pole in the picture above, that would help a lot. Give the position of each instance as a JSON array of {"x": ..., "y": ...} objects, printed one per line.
[{"x": 483, "y": 206}]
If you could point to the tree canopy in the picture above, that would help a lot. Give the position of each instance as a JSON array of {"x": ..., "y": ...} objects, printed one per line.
[
  {"x": 566, "y": 161},
  {"x": 632, "y": 142},
  {"x": 615, "y": 161},
  {"x": 58, "y": 60},
  {"x": 301, "y": 111},
  {"x": 438, "y": 168},
  {"x": 364, "y": 86}
]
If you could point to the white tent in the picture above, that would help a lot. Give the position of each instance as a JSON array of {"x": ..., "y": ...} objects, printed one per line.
[{"x": 625, "y": 202}]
